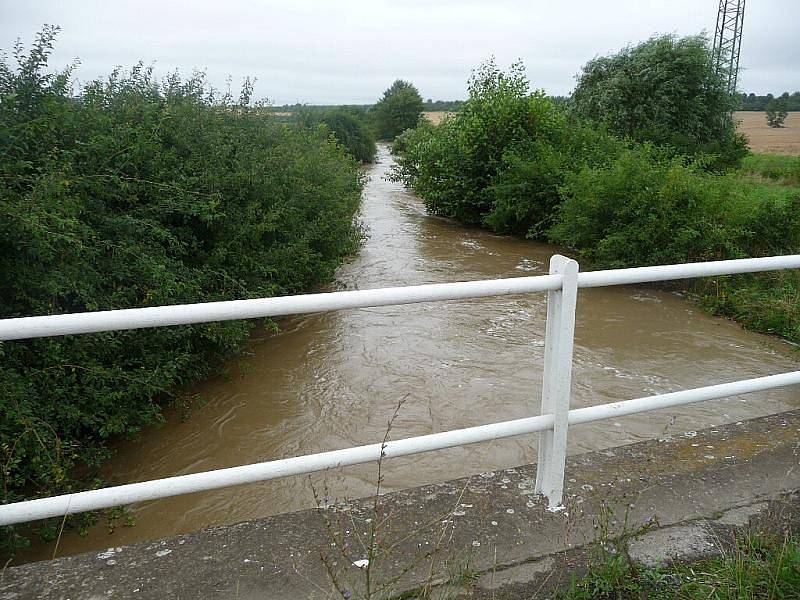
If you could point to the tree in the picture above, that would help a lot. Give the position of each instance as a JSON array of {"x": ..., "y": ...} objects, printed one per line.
[
  {"x": 777, "y": 111},
  {"x": 453, "y": 165},
  {"x": 664, "y": 90},
  {"x": 398, "y": 110},
  {"x": 346, "y": 126}
]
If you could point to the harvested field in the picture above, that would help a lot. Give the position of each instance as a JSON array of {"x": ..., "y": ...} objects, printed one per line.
[
  {"x": 783, "y": 140},
  {"x": 435, "y": 117}
]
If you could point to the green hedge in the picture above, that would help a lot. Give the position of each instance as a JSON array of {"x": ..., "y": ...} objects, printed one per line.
[
  {"x": 138, "y": 193},
  {"x": 644, "y": 209},
  {"x": 348, "y": 126},
  {"x": 514, "y": 162}
]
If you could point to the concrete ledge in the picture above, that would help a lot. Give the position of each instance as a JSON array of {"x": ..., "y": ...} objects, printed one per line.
[
  {"x": 684, "y": 542},
  {"x": 490, "y": 527}
]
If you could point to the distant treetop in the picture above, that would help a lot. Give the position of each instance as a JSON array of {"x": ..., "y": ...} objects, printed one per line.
[{"x": 399, "y": 109}]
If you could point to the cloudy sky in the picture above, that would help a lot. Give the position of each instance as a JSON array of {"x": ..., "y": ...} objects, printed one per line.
[{"x": 349, "y": 51}]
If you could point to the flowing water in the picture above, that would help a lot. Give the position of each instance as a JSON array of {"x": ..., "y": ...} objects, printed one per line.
[{"x": 332, "y": 380}]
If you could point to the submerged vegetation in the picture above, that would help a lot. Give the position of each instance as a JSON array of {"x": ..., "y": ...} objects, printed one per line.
[
  {"x": 133, "y": 193},
  {"x": 615, "y": 175}
]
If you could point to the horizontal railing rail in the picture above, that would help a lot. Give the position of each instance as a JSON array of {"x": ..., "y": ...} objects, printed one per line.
[
  {"x": 185, "y": 314},
  {"x": 561, "y": 285},
  {"x": 109, "y": 497}
]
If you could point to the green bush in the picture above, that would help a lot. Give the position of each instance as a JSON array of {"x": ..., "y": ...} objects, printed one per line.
[
  {"x": 500, "y": 160},
  {"x": 666, "y": 91},
  {"x": 525, "y": 192},
  {"x": 399, "y": 109},
  {"x": 138, "y": 193},
  {"x": 785, "y": 169},
  {"x": 452, "y": 166},
  {"x": 346, "y": 127},
  {"x": 644, "y": 208},
  {"x": 637, "y": 209}
]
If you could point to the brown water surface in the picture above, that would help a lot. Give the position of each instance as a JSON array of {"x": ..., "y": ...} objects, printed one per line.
[{"x": 332, "y": 380}]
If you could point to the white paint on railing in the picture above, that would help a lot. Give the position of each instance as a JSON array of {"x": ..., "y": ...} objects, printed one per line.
[
  {"x": 183, "y": 314},
  {"x": 209, "y": 480},
  {"x": 562, "y": 284},
  {"x": 557, "y": 380},
  {"x": 687, "y": 271}
]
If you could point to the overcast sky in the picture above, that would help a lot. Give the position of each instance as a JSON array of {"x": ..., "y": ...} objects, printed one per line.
[{"x": 342, "y": 51}]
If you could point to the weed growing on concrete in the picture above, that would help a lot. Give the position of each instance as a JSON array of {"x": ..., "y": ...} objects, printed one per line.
[
  {"x": 758, "y": 566},
  {"x": 361, "y": 548}
]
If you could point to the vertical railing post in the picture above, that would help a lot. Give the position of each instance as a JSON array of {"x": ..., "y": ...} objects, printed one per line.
[{"x": 559, "y": 337}]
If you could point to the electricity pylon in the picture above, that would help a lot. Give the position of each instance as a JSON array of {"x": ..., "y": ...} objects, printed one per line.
[{"x": 728, "y": 41}]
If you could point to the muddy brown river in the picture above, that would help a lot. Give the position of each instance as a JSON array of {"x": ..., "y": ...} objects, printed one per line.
[{"x": 332, "y": 380}]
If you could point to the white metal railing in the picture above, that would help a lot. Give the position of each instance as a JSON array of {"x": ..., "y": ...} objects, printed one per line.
[{"x": 561, "y": 285}]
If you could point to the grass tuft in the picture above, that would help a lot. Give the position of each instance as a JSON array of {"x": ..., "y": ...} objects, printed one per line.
[{"x": 759, "y": 566}]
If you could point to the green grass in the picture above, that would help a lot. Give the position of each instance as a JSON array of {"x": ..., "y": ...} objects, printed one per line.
[
  {"x": 759, "y": 566},
  {"x": 765, "y": 302},
  {"x": 768, "y": 188},
  {"x": 784, "y": 169}
]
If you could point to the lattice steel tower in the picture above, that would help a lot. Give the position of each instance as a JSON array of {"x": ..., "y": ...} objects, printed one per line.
[{"x": 728, "y": 40}]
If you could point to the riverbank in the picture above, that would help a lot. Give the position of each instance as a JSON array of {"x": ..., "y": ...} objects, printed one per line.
[
  {"x": 512, "y": 161},
  {"x": 127, "y": 193}
]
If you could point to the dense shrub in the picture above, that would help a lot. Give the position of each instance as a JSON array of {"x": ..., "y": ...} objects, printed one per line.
[
  {"x": 452, "y": 166},
  {"x": 499, "y": 161},
  {"x": 138, "y": 193},
  {"x": 636, "y": 209},
  {"x": 347, "y": 126},
  {"x": 666, "y": 91},
  {"x": 399, "y": 109},
  {"x": 525, "y": 192},
  {"x": 406, "y": 148},
  {"x": 644, "y": 208}
]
